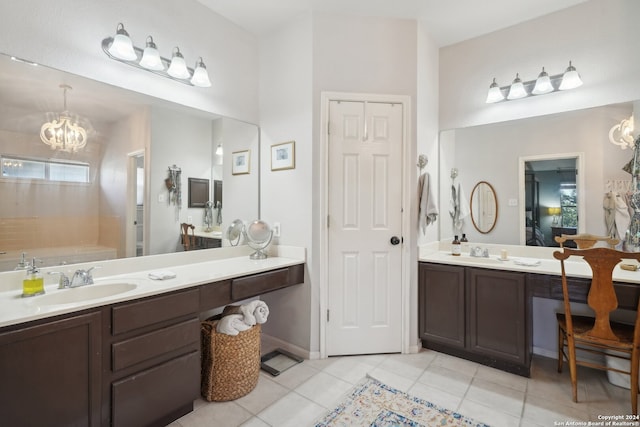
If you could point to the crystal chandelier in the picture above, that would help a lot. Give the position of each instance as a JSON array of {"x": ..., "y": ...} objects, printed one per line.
[{"x": 63, "y": 133}]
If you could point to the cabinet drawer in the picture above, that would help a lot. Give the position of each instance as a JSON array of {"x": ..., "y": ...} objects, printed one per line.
[
  {"x": 142, "y": 398},
  {"x": 215, "y": 295},
  {"x": 246, "y": 287},
  {"x": 128, "y": 317},
  {"x": 135, "y": 350}
]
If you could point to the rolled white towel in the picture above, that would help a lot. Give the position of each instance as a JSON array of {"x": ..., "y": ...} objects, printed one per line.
[
  {"x": 232, "y": 324},
  {"x": 255, "y": 312}
]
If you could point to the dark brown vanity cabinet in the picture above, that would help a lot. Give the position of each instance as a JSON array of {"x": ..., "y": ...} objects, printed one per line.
[
  {"x": 154, "y": 359},
  {"x": 134, "y": 363},
  {"x": 50, "y": 372},
  {"x": 478, "y": 314}
]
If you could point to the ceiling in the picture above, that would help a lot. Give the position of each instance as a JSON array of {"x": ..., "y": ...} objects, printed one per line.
[{"x": 448, "y": 21}]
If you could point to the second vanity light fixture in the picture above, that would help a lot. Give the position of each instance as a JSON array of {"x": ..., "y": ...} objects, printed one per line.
[
  {"x": 121, "y": 48},
  {"x": 545, "y": 83}
]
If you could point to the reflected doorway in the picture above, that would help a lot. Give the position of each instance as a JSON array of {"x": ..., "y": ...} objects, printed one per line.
[
  {"x": 135, "y": 205},
  {"x": 550, "y": 202}
]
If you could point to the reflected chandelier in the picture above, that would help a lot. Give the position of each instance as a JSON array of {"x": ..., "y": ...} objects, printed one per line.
[
  {"x": 63, "y": 133},
  {"x": 622, "y": 134}
]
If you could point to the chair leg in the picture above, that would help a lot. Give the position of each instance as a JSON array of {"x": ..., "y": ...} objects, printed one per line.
[
  {"x": 634, "y": 382},
  {"x": 572, "y": 366},
  {"x": 560, "y": 347}
]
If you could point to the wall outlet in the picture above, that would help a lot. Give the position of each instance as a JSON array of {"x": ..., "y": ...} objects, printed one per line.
[
  {"x": 276, "y": 229},
  {"x": 190, "y": 219},
  {"x": 160, "y": 198},
  {"x": 513, "y": 202}
]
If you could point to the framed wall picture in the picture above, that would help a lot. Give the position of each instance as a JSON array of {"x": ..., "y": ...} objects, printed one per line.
[
  {"x": 241, "y": 161},
  {"x": 283, "y": 156},
  {"x": 198, "y": 192}
]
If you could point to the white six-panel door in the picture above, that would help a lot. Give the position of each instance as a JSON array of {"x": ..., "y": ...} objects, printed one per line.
[{"x": 365, "y": 214}]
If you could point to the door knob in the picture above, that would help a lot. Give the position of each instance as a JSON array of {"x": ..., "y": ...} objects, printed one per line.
[{"x": 395, "y": 240}]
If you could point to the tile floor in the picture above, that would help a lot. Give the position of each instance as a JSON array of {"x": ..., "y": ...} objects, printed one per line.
[{"x": 302, "y": 394}]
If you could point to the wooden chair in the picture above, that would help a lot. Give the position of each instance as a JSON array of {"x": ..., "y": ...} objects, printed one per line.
[
  {"x": 597, "y": 334},
  {"x": 188, "y": 240},
  {"x": 585, "y": 240}
]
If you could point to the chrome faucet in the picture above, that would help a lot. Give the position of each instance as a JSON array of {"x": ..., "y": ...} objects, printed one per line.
[{"x": 80, "y": 278}]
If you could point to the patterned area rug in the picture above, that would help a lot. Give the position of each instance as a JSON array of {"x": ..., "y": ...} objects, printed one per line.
[{"x": 372, "y": 403}]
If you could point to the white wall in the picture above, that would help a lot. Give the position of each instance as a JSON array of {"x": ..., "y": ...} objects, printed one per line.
[
  {"x": 67, "y": 35},
  {"x": 597, "y": 36},
  {"x": 286, "y": 115}
]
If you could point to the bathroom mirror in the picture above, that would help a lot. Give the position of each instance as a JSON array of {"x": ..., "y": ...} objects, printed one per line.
[
  {"x": 492, "y": 153},
  {"x": 484, "y": 207},
  {"x": 124, "y": 207}
]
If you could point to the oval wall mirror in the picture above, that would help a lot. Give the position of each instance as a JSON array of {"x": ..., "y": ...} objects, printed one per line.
[{"x": 484, "y": 207}]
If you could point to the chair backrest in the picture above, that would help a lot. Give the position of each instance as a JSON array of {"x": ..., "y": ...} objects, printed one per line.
[
  {"x": 602, "y": 297},
  {"x": 585, "y": 240},
  {"x": 188, "y": 240}
]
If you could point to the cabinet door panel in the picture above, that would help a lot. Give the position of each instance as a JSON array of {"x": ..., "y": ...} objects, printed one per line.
[
  {"x": 143, "y": 398},
  {"x": 497, "y": 314},
  {"x": 51, "y": 373},
  {"x": 442, "y": 302}
]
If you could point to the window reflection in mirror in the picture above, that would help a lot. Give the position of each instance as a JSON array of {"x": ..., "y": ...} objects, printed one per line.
[{"x": 107, "y": 216}]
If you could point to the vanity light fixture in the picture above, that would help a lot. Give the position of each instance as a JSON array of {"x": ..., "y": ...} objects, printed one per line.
[
  {"x": 516, "y": 90},
  {"x": 62, "y": 132},
  {"x": 151, "y": 57},
  {"x": 544, "y": 84},
  {"x": 622, "y": 134},
  {"x": 121, "y": 48}
]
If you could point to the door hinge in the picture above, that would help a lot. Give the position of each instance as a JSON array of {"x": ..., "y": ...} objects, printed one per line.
[
  {"x": 328, "y": 128},
  {"x": 327, "y": 315},
  {"x": 328, "y": 221}
]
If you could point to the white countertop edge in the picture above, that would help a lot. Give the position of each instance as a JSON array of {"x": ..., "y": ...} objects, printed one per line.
[
  {"x": 14, "y": 309},
  {"x": 575, "y": 267}
]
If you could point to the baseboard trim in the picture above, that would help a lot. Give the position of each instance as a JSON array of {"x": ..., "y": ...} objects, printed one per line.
[{"x": 291, "y": 348}]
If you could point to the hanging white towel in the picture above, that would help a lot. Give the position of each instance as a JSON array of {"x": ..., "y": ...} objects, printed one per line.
[
  {"x": 232, "y": 324},
  {"x": 254, "y": 312},
  {"x": 427, "y": 210}
]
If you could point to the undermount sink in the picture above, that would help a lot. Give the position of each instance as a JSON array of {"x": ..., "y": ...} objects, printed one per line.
[{"x": 82, "y": 293}]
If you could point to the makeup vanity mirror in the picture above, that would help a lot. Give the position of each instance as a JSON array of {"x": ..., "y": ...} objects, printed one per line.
[
  {"x": 496, "y": 153},
  {"x": 121, "y": 205}
]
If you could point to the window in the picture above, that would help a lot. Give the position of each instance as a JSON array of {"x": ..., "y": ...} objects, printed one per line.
[
  {"x": 46, "y": 170},
  {"x": 568, "y": 205}
]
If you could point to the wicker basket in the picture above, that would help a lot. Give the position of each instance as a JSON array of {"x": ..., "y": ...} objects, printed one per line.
[{"x": 230, "y": 364}]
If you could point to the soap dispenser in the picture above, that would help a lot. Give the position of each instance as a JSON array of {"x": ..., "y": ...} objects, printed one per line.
[{"x": 33, "y": 283}]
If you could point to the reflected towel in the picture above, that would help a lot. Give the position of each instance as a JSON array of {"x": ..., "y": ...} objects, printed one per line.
[
  {"x": 232, "y": 324},
  {"x": 427, "y": 210},
  {"x": 255, "y": 312},
  {"x": 162, "y": 275},
  {"x": 458, "y": 207},
  {"x": 527, "y": 262}
]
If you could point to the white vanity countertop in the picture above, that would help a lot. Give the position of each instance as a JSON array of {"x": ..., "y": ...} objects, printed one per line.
[
  {"x": 191, "y": 269},
  {"x": 575, "y": 267}
]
